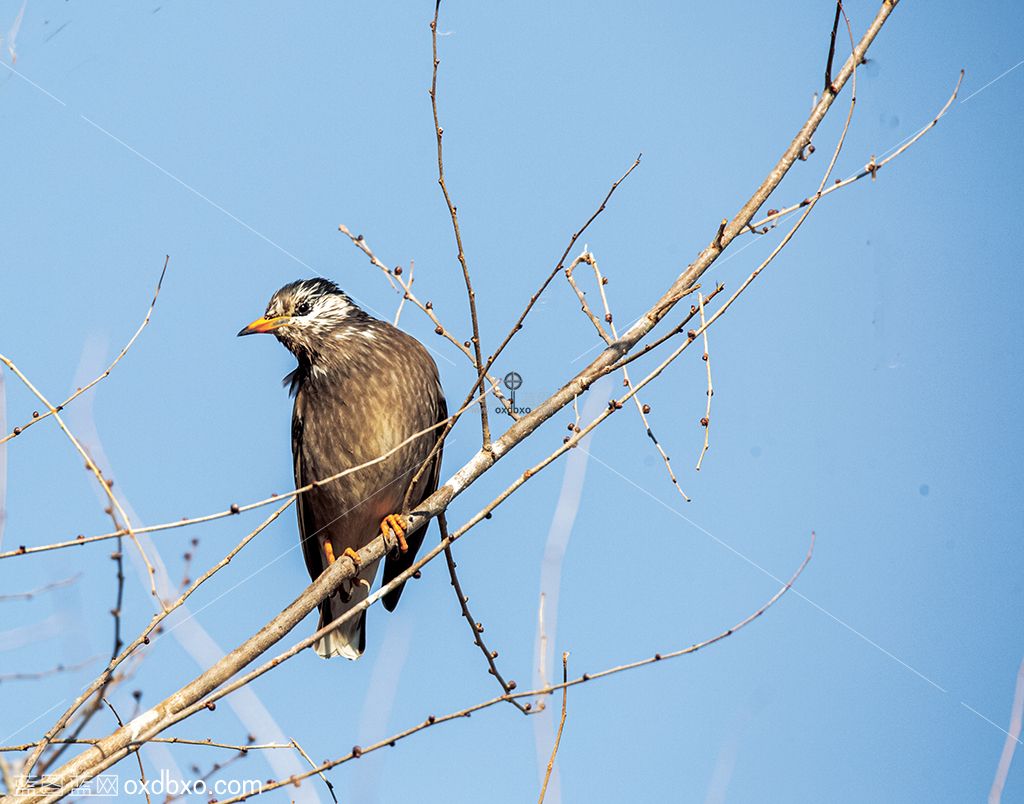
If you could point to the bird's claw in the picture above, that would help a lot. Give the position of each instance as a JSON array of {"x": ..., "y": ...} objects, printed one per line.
[
  {"x": 396, "y": 524},
  {"x": 350, "y": 553},
  {"x": 329, "y": 553}
]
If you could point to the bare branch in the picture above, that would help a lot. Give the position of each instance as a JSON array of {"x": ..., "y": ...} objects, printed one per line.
[
  {"x": 138, "y": 754},
  {"x": 470, "y": 293},
  {"x": 561, "y": 725},
  {"x": 41, "y": 589},
  {"x": 234, "y": 509},
  {"x": 432, "y": 720},
  {"x": 207, "y": 687},
  {"x": 53, "y": 671},
  {"x": 105, "y": 484},
  {"x": 706, "y": 421},
  {"x": 401, "y": 302},
  {"x": 427, "y": 308},
  {"x": 38, "y": 417},
  {"x": 320, "y": 773},
  {"x": 871, "y": 169},
  {"x": 144, "y": 637},
  {"x": 477, "y": 628}
]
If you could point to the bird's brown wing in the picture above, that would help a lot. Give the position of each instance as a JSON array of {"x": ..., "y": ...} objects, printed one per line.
[
  {"x": 395, "y": 565},
  {"x": 307, "y": 528}
]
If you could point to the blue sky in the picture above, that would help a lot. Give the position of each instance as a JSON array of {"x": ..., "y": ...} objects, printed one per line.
[{"x": 867, "y": 386}]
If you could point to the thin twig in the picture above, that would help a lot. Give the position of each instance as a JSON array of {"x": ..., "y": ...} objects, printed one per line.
[
  {"x": 470, "y": 293},
  {"x": 320, "y": 773},
  {"x": 53, "y": 671},
  {"x": 832, "y": 49},
  {"x": 144, "y": 636},
  {"x": 41, "y": 589},
  {"x": 38, "y": 417},
  {"x": 476, "y": 627},
  {"x": 558, "y": 267},
  {"x": 234, "y": 509},
  {"x": 138, "y": 754},
  {"x": 642, "y": 409},
  {"x": 401, "y": 302},
  {"x": 706, "y": 421},
  {"x": 427, "y": 308},
  {"x": 208, "y": 743},
  {"x": 870, "y": 169},
  {"x": 432, "y": 721},
  {"x": 82, "y": 717},
  {"x": 561, "y": 725},
  {"x": 92, "y": 467}
]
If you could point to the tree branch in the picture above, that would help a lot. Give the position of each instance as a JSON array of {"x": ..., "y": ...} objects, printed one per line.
[{"x": 190, "y": 698}]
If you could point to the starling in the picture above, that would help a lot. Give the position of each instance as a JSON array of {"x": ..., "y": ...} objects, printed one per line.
[{"x": 361, "y": 388}]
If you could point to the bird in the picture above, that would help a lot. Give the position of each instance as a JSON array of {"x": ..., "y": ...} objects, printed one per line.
[{"x": 362, "y": 388}]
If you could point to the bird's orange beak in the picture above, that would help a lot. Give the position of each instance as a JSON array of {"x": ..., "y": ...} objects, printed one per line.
[{"x": 264, "y": 325}]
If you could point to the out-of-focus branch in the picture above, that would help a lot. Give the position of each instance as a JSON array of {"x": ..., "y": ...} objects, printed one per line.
[
  {"x": 41, "y": 589},
  {"x": 53, "y": 671},
  {"x": 995, "y": 793}
]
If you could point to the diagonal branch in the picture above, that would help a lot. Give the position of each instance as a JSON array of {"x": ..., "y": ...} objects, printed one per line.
[
  {"x": 476, "y": 627},
  {"x": 548, "y": 689},
  {"x": 38, "y": 417}
]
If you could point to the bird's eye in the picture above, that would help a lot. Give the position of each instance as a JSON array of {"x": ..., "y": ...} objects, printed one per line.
[{"x": 303, "y": 308}]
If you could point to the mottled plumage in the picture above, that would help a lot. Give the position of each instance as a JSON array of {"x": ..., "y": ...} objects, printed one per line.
[{"x": 361, "y": 388}]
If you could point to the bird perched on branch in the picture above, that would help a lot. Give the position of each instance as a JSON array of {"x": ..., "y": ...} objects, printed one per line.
[{"x": 362, "y": 389}]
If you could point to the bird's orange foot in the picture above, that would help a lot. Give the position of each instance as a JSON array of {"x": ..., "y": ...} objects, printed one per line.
[
  {"x": 329, "y": 552},
  {"x": 350, "y": 553},
  {"x": 395, "y": 523}
]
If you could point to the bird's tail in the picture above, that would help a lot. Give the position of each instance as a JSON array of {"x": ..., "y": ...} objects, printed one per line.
[{"x": 349, "y": 638}]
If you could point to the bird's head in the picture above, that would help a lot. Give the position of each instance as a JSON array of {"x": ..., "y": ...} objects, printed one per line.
[{"x": 304, "y": 314}]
